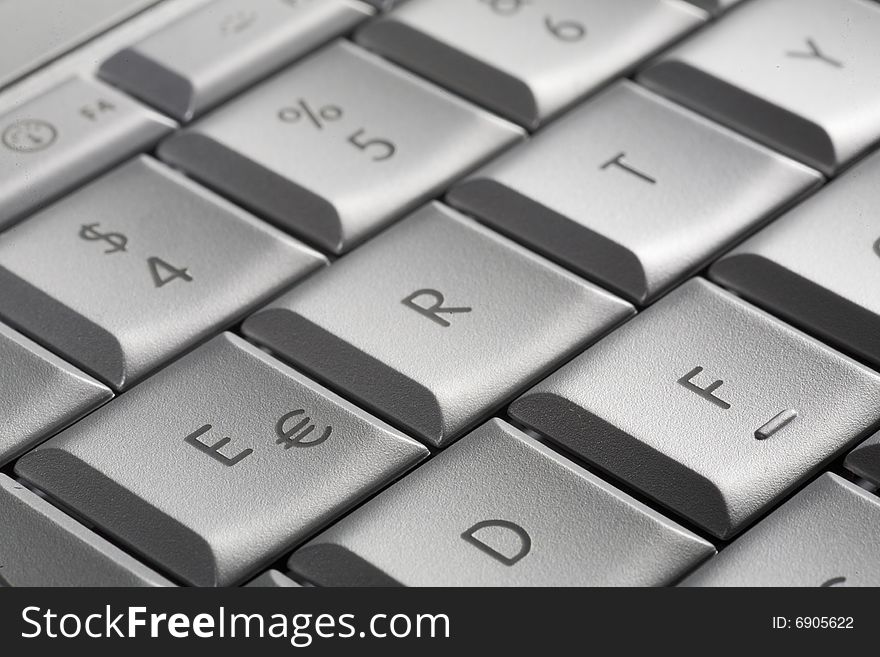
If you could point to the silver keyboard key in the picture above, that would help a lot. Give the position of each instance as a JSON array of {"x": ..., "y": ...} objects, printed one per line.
[
  {"x": 864, "y": 460},
  {"x": 632, "y": 191},
  {"x": 216, "y": 51},
  {"x": 39, "y": 394},
  {"x": 799, "y": 75},
  {"x": 436, "y": 322},
  {"x": 527, "y": 60},
  {"x": 819, "y": 266},
  {"x": 41, "y": 546},
  {"x": 826, "y": 535},
  {"x": 219, "y": 462},
  {"x": 706, "y": 404},
  {"x": 138, "y": 266},
  {"x": 33, "y": 32},
  {"x": 500, "y": 509},
  {"x": 62, "y": 138},
  {"x": 334, "y": 130}
]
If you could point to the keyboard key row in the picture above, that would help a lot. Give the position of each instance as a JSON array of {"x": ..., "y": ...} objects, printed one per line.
[
  {"x": 41, "y": 546},
  {"x": 136, "y": 267},
  {"x": 500, "y": 509},
  {"x": 477, "y": 48},
  {"x": 336, "y": 147},
  {"x": 39, "y": 394},
  {"x": 66, "y": 136},
  {"x": 799, "y": 75},
  {"x": 435, "y": 323},
  {"x": 632, "y": 191},
  {"x": 707, "y": 405},
  {"x": 238, "y": 43},
  {"x": 216, "y": 464}
]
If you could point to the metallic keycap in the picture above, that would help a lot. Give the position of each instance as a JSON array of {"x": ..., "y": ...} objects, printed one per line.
[
  {"x": 819, "y": 266},
  {"x": 216, "y": 464},
  {"x": 41, "y": 546},
  {"x": 500, "y": 509},
  {"x": 221, "y": 48},
  {"x": 436, "y": 322},
  {"x": 632, "y": 190},
  {"x": 272, "y": 579},
  {"x": 527, "y": 60},
  {"x": 706, "y": 404},
  {"x": 799, "y": 75},
  {"x": 826, "y": 535},
  {"x": 138, "y": 266},
  {"x": 346, "y": 143},
  {"x": 33, "y": 33},
  {"x": 39, "y": 393},
  {"x": 864, "y": 460},
  {"x": 66, "y": 136}
]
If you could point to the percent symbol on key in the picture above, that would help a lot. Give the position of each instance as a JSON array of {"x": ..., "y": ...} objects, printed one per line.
[{"x": 304, "y": 111}]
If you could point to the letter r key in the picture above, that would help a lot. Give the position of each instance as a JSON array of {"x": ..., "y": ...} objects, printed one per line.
[{"x": 436, "y": 308}]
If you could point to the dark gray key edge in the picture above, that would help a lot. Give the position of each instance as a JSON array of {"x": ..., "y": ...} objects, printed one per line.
[
  {"x": 338, "y": 364},
  {"x": 553, "y": 235},
  {"x": 588, "y": 436},
  {"x": 803, "y": 303},
  {"x": 452, "y": 69},
  {"x": 260, "y": 191},
  {"x": 331, "y": 565},
  {"x": 79, "y": 340},
  {"x": 769, "y": 124},
  {"x": 128, "y": 572},
  {"x": 148, "y": 81},
  {"x": 864, "y": 461},
  {"x": 122, "y": 514}
]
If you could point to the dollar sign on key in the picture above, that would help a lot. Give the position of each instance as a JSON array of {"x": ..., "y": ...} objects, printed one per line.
[{"x": 117, "y": 241}]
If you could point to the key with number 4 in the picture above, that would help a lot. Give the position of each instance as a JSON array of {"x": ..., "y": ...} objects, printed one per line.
[
  {"x": 526, "y": 59},
  {"x": 435, "y": 322},
  {"x": 138, "y": 266},
  {"x": 799, "y": 75},
  {"x": 216, "y": 464},
  {"x": 706, "y": 404},
  {"x": 237, "y": 42},
  {"x": 337, "y": 146},
  {"x": 62, "y": 138}
]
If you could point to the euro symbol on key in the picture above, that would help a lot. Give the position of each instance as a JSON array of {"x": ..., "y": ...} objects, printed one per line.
[
  {"x": 117, "y": 241},
  {"x": 295, "y": 436}
]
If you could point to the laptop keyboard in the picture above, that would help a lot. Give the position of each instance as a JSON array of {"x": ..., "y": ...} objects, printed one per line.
[{"x": 443, "y": 292}]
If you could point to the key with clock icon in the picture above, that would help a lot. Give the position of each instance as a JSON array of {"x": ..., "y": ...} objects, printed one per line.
[{"x": 62, "y": 138}]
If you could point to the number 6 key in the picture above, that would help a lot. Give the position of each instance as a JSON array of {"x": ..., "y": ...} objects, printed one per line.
[
  {"x": 138, "y": 266},
  {"x": 338, "y": 146}
]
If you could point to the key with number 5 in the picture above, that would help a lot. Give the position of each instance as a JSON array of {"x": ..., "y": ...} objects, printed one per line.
[
  {"x": 336, "y": 147},
  {"x": 138, "y": 266}
]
